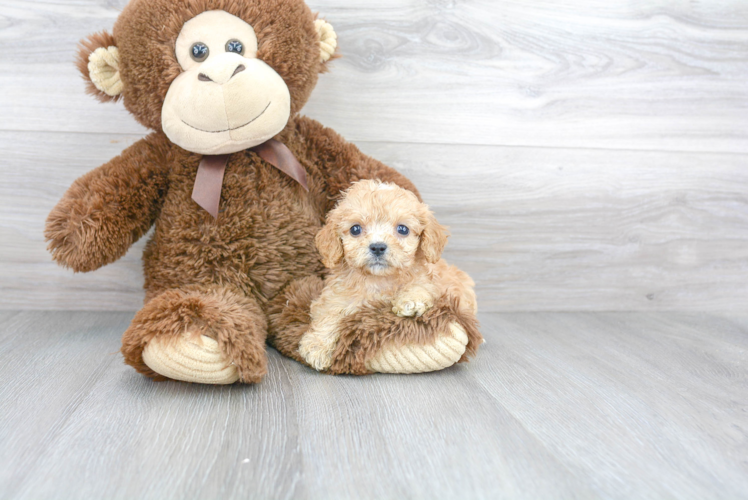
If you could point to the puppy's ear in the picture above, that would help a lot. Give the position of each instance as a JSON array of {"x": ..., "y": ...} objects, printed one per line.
[
  {"x": 329, "y": 245},
  {"x": 433, "y": 239}
]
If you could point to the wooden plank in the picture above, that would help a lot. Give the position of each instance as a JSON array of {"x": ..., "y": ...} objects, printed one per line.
[
  {"x": 427, "y": 435},
  {"x": 665, "y": 75},
  {"x": 133, "y": 438},
  {"x": 297, "y": 435},
  {"x": 562, "y": 405},
  {"x": 538, "y": 229},
  {"x": 74, "y": 414},
  {"x": 51, "y": 362},
  {"x": 603, "y": 391}
]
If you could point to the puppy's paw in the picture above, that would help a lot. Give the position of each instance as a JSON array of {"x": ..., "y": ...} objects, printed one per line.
[
  {"x": 409, "y": 308},
  {"x": 412, "y": 302},
  {"x": 316, "y": 351}
]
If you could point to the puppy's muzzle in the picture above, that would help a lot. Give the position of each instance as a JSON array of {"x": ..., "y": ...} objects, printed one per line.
[{"x": 378, "y": 249}]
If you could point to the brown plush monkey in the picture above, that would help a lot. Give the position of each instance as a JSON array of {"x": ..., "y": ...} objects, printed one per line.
[{"x": 236, "y": 182}]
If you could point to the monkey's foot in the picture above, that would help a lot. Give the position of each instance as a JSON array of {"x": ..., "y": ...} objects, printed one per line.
[
  {"x": 190, "y": 359},
  {"x": 443, "y": 353}
]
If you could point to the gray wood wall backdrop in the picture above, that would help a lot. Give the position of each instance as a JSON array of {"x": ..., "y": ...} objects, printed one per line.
[{"x": 587, "y": 155}]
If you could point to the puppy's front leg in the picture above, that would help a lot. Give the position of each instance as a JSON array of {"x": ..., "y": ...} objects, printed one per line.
[
  {"x": 318, "y": 344},
  {"x": 413, "y": 301}
]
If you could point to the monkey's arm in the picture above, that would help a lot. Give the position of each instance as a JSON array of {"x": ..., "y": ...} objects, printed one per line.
[
  {"x": 108, "y": 209},
  {"x": 340, "y": 163}
]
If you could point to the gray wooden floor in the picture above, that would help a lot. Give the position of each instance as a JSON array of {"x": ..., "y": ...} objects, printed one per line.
[{"x": 557, "y": 405}]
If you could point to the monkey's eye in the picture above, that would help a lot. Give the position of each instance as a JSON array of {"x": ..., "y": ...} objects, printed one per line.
[
  {"x": 199, "y": 52},
  {"x": 356, "y": 230},
  {"x": 403, "y": 230},
  {"x": 235, "y": 46}
]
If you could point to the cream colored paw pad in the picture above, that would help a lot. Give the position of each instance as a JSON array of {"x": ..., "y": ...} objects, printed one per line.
[
  {"x": 189, "y": 361},
  {"x": 445, "y": 352}
]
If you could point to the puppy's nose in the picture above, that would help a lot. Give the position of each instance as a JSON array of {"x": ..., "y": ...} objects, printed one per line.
[{"x": 378, "y": 249}]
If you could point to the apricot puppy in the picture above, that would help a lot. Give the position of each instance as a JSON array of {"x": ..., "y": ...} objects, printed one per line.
[{"x": 381, "y": 244}]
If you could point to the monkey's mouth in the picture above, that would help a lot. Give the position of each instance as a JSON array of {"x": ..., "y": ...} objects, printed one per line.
[{"x": 230, "y": 129}]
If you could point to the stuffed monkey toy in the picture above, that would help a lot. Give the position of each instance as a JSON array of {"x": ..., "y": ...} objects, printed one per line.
[{"x": 236, "y": 183}]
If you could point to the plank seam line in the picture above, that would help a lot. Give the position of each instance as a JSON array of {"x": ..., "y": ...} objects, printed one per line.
[{"x": 418, "y": 143}]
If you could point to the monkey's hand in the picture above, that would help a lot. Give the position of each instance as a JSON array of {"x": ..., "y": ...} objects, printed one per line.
[
  {"x": 108, "y": 209},
  {"x": 83, "y": 234}
]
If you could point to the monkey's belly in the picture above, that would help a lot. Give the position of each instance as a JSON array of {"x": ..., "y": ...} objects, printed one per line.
[{"x": 257, "y": 246}]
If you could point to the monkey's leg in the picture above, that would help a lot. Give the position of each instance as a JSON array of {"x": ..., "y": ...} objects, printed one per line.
[
  {"x": 444, "y": 351},
  {"x": 197, "y": 334},
  {"x": 375, "y": 340}
]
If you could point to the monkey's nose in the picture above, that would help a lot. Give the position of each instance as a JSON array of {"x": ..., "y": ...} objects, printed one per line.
[
  {"x": 218, "y": 75},
  {"x": 378, "y": 249},
  {"x": 238, "y": 69}
]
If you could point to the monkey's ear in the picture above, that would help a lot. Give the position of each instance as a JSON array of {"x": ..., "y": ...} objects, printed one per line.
[
  {"x": 329, "y": 245},
  {"x": 98, "y": 62},
  {"x": 328, "y": 40}
]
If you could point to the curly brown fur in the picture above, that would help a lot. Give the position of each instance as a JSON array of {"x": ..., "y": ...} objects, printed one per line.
[
  {"x": 235, "y": 321},
  {"x": 108, "y": 209},
  {"x": 366, "y": 332}
]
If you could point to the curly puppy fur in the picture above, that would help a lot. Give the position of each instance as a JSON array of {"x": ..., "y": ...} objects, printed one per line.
[
  {"x": 408, "y": 274},
  {"x": 219, "y": 277}
]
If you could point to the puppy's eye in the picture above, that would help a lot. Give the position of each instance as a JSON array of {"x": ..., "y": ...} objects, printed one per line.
[
  {"x": 356, "y": 230},
  {"x": 199, "y": 52},
  {"x": 403, "y": 230}
]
